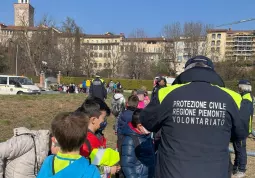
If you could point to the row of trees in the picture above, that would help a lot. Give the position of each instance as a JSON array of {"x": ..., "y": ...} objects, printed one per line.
[{"x": 46, "y": 49}]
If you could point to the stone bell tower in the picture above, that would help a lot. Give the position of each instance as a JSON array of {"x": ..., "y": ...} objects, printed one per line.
[{"x": 23, "y": 13}]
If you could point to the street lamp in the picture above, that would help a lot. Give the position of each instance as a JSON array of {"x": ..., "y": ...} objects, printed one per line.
[{"x": 16, "y": 61}]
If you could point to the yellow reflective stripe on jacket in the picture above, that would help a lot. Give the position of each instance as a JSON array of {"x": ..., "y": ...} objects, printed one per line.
[
  {"x": 61, "y": 161},
  {"x": 247, "y": 97},
  {"x": 96, "y": 156},
  {"x": 163, "y": 92},
  {"x": 99, "y": 79},
  {"x": 104, "y": 157},
  {"x": 236, "y": 97}
]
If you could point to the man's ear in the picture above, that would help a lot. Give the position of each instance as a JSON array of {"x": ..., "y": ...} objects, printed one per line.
[{"x": 92, "y": 120}]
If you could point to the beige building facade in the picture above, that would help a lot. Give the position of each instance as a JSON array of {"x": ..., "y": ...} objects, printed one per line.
[{"x": 228, "y": 44}]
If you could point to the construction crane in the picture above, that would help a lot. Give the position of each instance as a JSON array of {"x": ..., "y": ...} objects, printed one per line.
[{"x": 237, "y": 22}]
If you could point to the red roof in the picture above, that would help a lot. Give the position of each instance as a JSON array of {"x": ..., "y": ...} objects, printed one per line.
[
  {"x": 102, "y": 36},
  {"x": 145, "y": 39},
  {"x": 20, "y": 28},
  {"x": 217, "y": 30}
]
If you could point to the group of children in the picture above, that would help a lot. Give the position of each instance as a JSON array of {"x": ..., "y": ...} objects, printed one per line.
[
  {"x": 77, "y": 146},
  {"x": 134, "y": 142}
]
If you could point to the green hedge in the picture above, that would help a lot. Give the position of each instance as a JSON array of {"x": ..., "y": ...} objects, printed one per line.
[{"x": 129, "y": 84}]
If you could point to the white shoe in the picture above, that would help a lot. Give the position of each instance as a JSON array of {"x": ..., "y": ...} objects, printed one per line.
[{"x": 239, "y": 175}]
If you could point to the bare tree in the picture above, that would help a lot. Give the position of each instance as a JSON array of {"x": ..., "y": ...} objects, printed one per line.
[
  {"x": 87, "y": 60},
  {"x": 135, "y": 56},
  {"x": 115, "y": 60},
  {"x": 69, "y": 45},
  {"x": 36, "y": 44},
  {"x": 4, "y": 64},
  {"x": 195, "y": 38},
  {"x": 171, "y": 48}
]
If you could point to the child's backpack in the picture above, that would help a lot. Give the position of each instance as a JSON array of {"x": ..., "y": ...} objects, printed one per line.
[{"x": 117, "y": 105}]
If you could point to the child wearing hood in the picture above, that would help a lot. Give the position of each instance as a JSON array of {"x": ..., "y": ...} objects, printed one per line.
[{"x": 136, "y": 150}]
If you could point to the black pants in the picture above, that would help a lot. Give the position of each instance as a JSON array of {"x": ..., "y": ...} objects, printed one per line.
[
  {"x": 230, "y": 167},
  {"x": 240, "y": 156}
]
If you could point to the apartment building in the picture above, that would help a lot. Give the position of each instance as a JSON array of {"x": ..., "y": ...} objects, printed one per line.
[
  {"x": 228, "y": 44},
  {"x": 103, "y": 47}
]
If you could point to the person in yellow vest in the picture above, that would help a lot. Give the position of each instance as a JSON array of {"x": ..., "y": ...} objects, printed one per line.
[
  {"x": 247, "y": 110},
  {"x": 88, "y": 84}
]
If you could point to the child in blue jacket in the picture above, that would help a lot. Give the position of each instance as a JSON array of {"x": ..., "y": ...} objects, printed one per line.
[
  {"x": 137, "y": 150},
  {"x": 68, "y": 133}
]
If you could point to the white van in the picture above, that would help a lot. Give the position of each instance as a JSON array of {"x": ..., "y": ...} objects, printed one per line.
[{"x": 17, "y": 85}]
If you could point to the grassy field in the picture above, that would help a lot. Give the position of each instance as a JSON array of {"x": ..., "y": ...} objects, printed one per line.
[{"x": 36, "y": 112}]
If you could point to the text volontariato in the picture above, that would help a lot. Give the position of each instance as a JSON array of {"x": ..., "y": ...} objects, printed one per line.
[{"x": 199, "y": 112}]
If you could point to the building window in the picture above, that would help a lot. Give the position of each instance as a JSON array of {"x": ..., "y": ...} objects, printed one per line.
[
  {"x": 95, "y": 65},
  {"x": 105, "y": 55},
  {"x": 218, "y": 42},
  {"x": 91, "y": 55},
  {"x": 213, "y": 43},
  {"x": 109, "y": 55},
  {"x": 100, "y": 64},
  {"x": 218, "y": 36},
  {"x": 179, "y": 58},
  {"x": 100, "y": 47},
  {"x": 213, "y": 36},
  {"x": 122, "y": 48},
  {"x": 100, "y": 55},
  {"x": 105, "y": 47},
  {"x": 109, "y": 65},
  {"x": 212, "y": 50},
  {"x": 218, "y": 49},
  {"x": 95, "y": 47},
  {"x": 105, "y": 65},
  {"x": 95, "y": 55}
]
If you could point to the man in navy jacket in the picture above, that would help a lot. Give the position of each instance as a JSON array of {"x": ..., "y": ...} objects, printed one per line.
[
  {"x": 240, "y": 163},
  {"x": 197, "y": 120}
]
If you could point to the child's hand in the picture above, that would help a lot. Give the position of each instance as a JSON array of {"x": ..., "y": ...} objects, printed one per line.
[
  {"x": 115, "y": 169},
  {"x": 118, "y": 168}
]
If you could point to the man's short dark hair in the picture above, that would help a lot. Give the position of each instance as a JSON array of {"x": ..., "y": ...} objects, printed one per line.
[
  {"x": 133, "y": 101},
  {"x": 136, "y": 118},
  {"x": 70, "y": 130},
  {"x": 93, "y": 106}
]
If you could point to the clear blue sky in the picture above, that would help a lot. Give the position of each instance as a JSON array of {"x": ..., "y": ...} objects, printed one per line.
[{"x": 100, "y": 16}]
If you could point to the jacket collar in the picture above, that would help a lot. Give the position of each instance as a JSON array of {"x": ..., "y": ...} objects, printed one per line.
[
  {"x": 199, "y": 74},
  {"x": 131, "y": 108}
]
